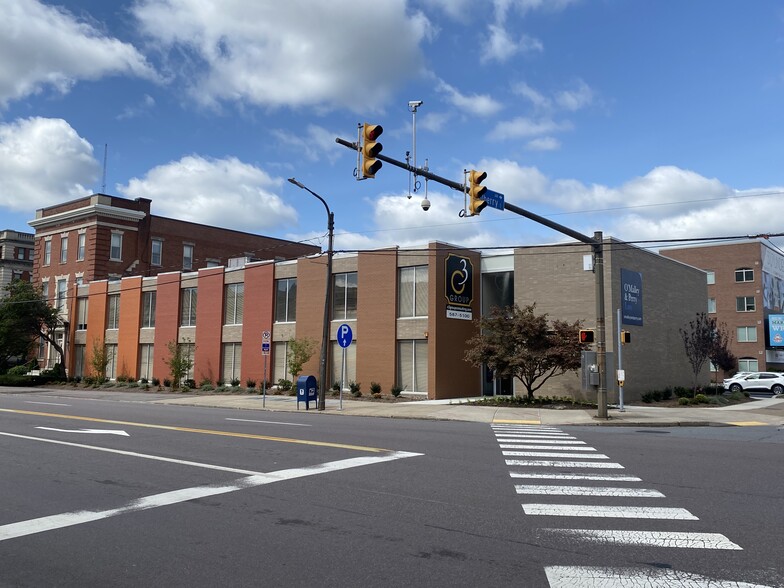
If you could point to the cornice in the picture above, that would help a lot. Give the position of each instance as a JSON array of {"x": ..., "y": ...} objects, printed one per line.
[{"x": 100, "y": 210}]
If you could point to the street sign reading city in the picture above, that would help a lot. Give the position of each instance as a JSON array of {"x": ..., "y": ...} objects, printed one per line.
[
  {"x": 345, "y": 336},
  {"x": 494, "y": 199}
]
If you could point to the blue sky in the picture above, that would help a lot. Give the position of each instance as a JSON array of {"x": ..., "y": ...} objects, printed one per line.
[{"x": 645, "y": 120}]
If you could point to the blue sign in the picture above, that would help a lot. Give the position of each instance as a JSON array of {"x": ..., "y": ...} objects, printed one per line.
[
  {"x": 631, "y": 297},
  {"x": 776, "y": 330},
  {"x": 265, "y": 348},
  {"x": 494, "y": 199},
  {"x": 345, "y": 336}
]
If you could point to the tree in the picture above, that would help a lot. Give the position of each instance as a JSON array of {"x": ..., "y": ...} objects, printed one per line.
[
  {"x": 26, "y": 316},
  {"x": 703, "y": 340},
  {"x": 515, "y": 342},
  {"x": 179, "y": 362},
  {"x": 299, "y": 353},
  {"x": 99, "y": 359}
]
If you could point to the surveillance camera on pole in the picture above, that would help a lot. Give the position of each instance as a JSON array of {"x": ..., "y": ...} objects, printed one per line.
[{"x": 425, "y": 204}]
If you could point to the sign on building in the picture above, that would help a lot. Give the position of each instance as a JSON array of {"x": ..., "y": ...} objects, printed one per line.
[
  {"x": 776, "y": 330},
  {"x": 459, "y": 287},
  {"x": 631, "y": 297}
]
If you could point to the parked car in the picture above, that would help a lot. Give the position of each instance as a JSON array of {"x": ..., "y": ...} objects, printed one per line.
[
  {"x": 738, "y": 376},
  {"x": 761, "y": 381}
]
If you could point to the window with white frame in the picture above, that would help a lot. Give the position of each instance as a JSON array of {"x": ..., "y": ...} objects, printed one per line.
[
  {"x": 711, "y": 305},
  {"x": 47, "y": 252},
  {"x": 62, "y": 293},
  {"x": 81, "y": 313},
  {"x": 156, "y": 254},
  {"x": 747, "y": 334},
  {"x": 745, "y": 304},
  {"x": 412, "y": 365},
  {"x": 744, "y": 274},
  {"x": 111, "y": 361},
  {"x": 63, "y": 249},
  {"x": 146, "y": 360},
  {"x": 148, "y": 309},
  {"x": 232, "y": 361},
  {"x": 286, "y": 300},
  {"x": 187, "y": 256},
  {"x": 188, "y": 307},
  {"x": 748, "y": 364},
  {"x": 280, "y": 362},
  {"x": 81, "y": 239},
  {"x": 711, "y": 277},
  {"x": 113, "y": 311},
  {"x": 336, "y": 357},
  {"x": 412, "y": 292},
  {"x": 233, "y": 304},
  {"x": 344, "y": 296},
  {"x": 115, "y": 249}
]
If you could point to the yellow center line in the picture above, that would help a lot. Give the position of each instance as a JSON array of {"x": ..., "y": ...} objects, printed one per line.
[
  {"x": 202, "y": 431},
  {"x": 747, "y": 423}
]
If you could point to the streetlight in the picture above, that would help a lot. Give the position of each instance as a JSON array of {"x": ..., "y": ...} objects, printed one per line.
[{"x": 327, "y": 298}]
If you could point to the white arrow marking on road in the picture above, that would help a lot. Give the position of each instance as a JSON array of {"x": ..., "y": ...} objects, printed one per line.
[{"x": 93, "y": 431}]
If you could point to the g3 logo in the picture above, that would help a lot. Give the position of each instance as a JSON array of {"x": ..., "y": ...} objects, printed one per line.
[{"x": 459, "y": 280}]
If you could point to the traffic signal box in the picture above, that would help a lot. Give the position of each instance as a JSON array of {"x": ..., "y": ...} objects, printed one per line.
[
  {"x": 626, "y": 337},
  {"x": 475, "y": 192},
  {"x": 587, "y": 335},
  {"x": 369, "y": 149}
]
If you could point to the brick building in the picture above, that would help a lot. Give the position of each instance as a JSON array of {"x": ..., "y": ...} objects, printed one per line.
[
  {"x": 746, "y": 294},
  {"x": 16, "y": 257}
]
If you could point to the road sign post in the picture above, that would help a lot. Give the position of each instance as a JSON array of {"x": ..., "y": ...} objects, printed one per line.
[
  {"x": 345, "y": 336},
  {"x": 265, "y": 351}
]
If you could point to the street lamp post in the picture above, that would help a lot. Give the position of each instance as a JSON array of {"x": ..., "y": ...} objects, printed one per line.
[{"x": 327, "y": 298}]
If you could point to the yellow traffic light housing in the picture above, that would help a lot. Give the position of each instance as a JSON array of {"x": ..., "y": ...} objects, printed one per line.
[
  {"x": 587, "y": 335},
  {"x": 475, "y": 192},
  {"x": 626, "y": 337},
  {"x": 368, "y": 150}
]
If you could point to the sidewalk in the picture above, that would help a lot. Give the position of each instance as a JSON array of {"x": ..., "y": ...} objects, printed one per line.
[{"x": 759, "y": 412}]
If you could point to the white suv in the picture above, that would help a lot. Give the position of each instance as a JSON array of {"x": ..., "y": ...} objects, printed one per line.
[{"x": 762, "y": 381}]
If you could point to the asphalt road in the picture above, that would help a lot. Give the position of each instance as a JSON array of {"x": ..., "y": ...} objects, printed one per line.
[{"x": 207, "y": 497}]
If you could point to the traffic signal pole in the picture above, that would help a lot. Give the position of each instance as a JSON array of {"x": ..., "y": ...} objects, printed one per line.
[{"x": 598, "y": 263}]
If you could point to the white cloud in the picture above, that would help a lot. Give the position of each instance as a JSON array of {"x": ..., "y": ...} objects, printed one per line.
[
  {"x": 220, "y": 192},
  {"x": 501, "y": 47},
  {"x": 43, "y": 161},
  {"x": 318, "y": 143},
  {"x": 544, "y": 144},
  {"x": 295, "y": 53},
  {"x": 537, "y": 99},
  {"x": 46, "y": 46},
  {"x": 576, "y": 99},
  {"x": 474, "y": 104},
  {"x": 522, "y": 126},
  {"x": 142, "y": 107}
]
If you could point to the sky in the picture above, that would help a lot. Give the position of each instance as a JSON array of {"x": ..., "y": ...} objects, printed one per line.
[{"x": 648, "y": 121}]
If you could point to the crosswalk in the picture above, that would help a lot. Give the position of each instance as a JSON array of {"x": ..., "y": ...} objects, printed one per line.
[{"x": 547, "y": 462}]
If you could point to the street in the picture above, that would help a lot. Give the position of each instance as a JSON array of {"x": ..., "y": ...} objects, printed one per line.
[{"x": 129, "y": 493}]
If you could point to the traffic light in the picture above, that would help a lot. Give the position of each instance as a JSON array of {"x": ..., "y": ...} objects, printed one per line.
[
  {"x": 369, "y": 149},
  {"x": 475, "y": 192},
  {"x": 626, "y": 337},
  {"x": 586, "y": 335}
]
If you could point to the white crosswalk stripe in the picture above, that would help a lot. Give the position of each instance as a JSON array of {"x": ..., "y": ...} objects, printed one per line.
[
  {"x": 588, "y": 491},
  {"x": 549, "y": 463},
  {"x": 575, "y": 476},
  {"x": 545, "y": 447},
  {"x": 615, "y": 512},
  {"x": 548, "y": 454}
]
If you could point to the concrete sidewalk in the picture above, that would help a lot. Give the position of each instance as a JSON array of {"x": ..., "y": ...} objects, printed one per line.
[{"x": 758, "y": 412}]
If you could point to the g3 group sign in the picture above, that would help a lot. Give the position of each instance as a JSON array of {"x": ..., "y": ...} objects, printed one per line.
[{"x": 459, "y": 287}]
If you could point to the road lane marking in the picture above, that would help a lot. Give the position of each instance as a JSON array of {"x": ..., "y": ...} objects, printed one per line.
[
  {"x": 539, "y": 435},
  {"x": 643, "y": 577},
  {"x": 650, "y": 538},
  {"x": 548, "y": 454},
  {"x": 588, "y": 491},
  {"x": 88, "y": 431},
  {"x": 270, "y": 422},
  {"x": 201, "y": 431},
  {"x": 593, "y": 477},
  {"x": 516, "y": 445},
  {"x": 512, "y": 439},
  {"x": 615, "y": 512},
  {"x": 748, "y": 423},
  {"x": 47, "y": 403},
  {"x": 546, "y": 463},
  {"x": 69, "y": 519}
]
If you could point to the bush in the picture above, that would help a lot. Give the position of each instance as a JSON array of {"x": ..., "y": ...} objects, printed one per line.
[
  {"x": 395, "y": 390},
  {"x": 250, "y": 384},
  {"x": 667, "y": 393},
  {"x": 167, "y": 382},
  {"x": 737, "y": 396},
  {"x": 683, "y": 401},
  {"x": 156, "y": 382},
  {"x": 235, "y": 382},
  {"x": 700, "y": 399},
  {"x": 682, "y": 392},
  {"x": 189, "y": 383},
  {"x": 18, "y": 370},
  {"x": 206, "y": 387},
  {"x": 205, "y": 382},
  {"x": 375, "y": 388},
  {"x": 284, "y": 385},
  {"x": 647, "y": 398},
  {"x": 355, "y": 388}
]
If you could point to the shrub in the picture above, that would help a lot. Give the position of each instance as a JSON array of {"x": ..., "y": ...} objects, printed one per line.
[
  {"x": 205, "y": 382},
  {"x": 667, "y": 393},
  {"x": 682, "y": 392},
  {"x": 189, "y": 383},
  {"x": 336, "y": 386},
  {"x": 133, "y": 384},
  {"x": 156, "y": 382},
  {"x": 250, "y": 384},
  {"x": 683, "y": 401},
  {"x": 167, "y": 382},
  {"x": 143, "y": 381},
  {"x": 396, "y": 390},
  {"x": 647, "y": 398},
  {"x": 737, "y": 396},
  {"x": 18, "y": 370},
  {"x": 284, "y": 385},
  {"x": 235, "y": 382},
  {"x": 355, "y": 388},
  {"x": 375, "y": 388},
  {"x": 206, "y": 387},
  {"x": 700, "y": 399}
]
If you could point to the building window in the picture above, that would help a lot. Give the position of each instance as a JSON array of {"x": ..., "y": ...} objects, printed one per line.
[
  {"x": 747, "y": 334},
  {"x": 412, "y": 292},
  {"x": 280, "y": 361},
  {"x": 47, "y": 252},
  {"x": 148, "y": 309},
  {"x": 745, "y": 304},
  {"x": 79, "y": 351},
  {"x": 234, "y": 302},
  {"x": 115, "y": 250},
  {"x": 286, "y": 300},
  {"x": 20, "y": 253},
  {"x": 187, "y": 257},
  {"x": 336, "y": 357},
  {"x": 80, "y": 241},
  {"x": 63, "y": 249},
  {"x": 344, "y": 297},
  {"x": 156, "y": 255},
  {"x": 748, "y": 365},
  {"x": 62, "y": 292},
  {"x": 232, "y": 361},
  {"x": 81, "y": 313},
  {"x": 188, "y": 307},
  {"x": 111, "y": 361},
  {"x": 146, "y": 360},
  {"x": 711, "y": 305},
  {"x": 412, "y": 365},
  {"x": 711, "y": 277},
  {"x": 45, "y": 290},
  {"x": 113, "y": 311},
  {"x": 187, "y": 352},
  {"x": 744, "y": 274}
]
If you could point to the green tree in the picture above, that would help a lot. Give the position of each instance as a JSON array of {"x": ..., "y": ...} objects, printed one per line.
[
  {"x": 514, "y": 341},
  {"x": 25, "y": 317},
  {"x": 179, "y": 362},
  {"x": 99, "y": 359},
  {"x": 704, "y": 340},
  {"x": 299, "y": 353}
]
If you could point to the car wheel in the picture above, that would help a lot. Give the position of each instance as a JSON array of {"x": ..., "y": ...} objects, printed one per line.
[
  {"x": 777, "y": 389},
  {"x": 735, "y": 388}
]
